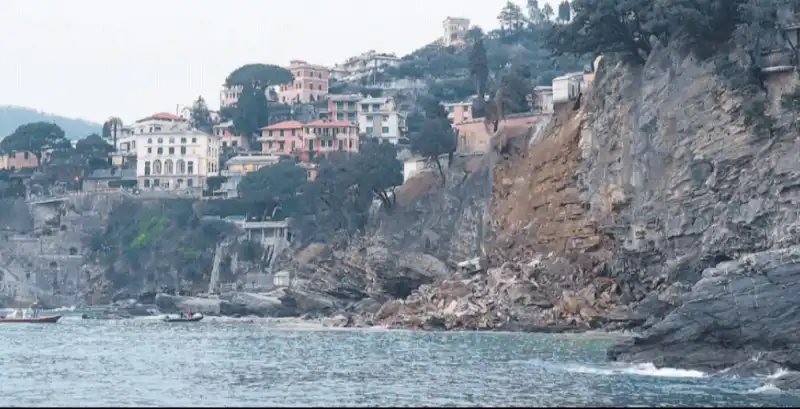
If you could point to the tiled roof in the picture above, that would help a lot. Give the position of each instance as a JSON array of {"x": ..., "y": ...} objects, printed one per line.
[
  {"x": 161, "y": 115},
  {"x": 322, "y": 123},
  {"x": 284, "y": 125}
]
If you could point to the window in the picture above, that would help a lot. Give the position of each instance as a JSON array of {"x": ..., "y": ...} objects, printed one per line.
[
  {"x": 270, "y": 133},
  {"x": 160, "y": 140},
  {"x": 235, "y": 143},
  {"x": 369, "y": 130},
  {"x": 450, "y": 108},
  {"x": 293, "y": 132},
  {"x": 189, "y": 182},
  {"x": 340, "y": 116},
  {"x": 194, "y": 140},
  {"x": 281, "y": 145},
  {"x": 25, "y": 155},
  {"x": 293, "y": 146},
  {"x": 190, "y": 168},
  {"x": 319, "y": 87},
  {"x": 147, "y": 169},
  {"x": 156, "y": 183},
  {"x": 311, "y": 145},
  {"x": 319, "y": 75},
  {"x": 269, "y": 145},
  {"x": 339, "y": 105},
  {"x": 171, "y": 150},
  {"x": 160, "y": 150},
  {"x": 281, "y": 134},
  {"x": 183, "y": 150},
  {"x": 180, "y": 167},
  {"x": 149, "y": 140},
  {"x": 168, "y": 167},
  {"x": 385, "y": 130},
  {"x": 341, "y": 145},
  {"x": 376, "y": 107},
  {"x": 369, "y": 117},
  {"x": 351, "y": 144},
  {"x": 171, "y": 140},
  {"x": 157, "y": 167},
  {"x": 183, "y": 140},
  {"x": 365, "y": 107},
  {"x": 149, "y": 150}
]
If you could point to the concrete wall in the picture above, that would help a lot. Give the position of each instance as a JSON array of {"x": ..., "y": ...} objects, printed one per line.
[{"x": 474, "y": 137}]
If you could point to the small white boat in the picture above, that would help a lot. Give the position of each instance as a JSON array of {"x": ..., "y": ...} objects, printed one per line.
[{"x": 182, "y": 317}]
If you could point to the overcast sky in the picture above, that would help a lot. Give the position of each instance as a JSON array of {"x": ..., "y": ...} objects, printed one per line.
[{"x": 93, "y": 59}]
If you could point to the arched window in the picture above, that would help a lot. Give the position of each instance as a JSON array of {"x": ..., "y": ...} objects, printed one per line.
[
  {"x": 168, "y": 167},
  {"x": 180, "y": 167},
  {"x": 157, "y": 167}
]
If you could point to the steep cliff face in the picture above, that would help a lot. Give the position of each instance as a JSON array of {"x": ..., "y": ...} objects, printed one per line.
[
  {"x": 431, "y": 229},
  {"x": 654, "y": 199},
  {"x": 42, "y": 250}
]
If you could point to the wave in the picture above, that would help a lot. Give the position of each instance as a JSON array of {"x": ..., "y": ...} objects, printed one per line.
[
  {"x": 766, "y": 389},
  {"x": 646, "y": 369}
]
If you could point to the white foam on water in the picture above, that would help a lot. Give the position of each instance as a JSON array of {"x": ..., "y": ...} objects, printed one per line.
[
  {"x": 646, "y": 369},
  {"x": 766, "y": 389},
  {"x": 780, "y": 372}
]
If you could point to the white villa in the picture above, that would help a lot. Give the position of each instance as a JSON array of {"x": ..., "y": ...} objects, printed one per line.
[{"x": 176, "y": 159}]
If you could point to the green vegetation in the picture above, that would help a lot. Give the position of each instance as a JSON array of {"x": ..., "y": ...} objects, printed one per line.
[
  {"x": 149, "y": 242},
  {"x": 201, "y": 116},
  {"x": 457, "y": 72},
  {"x": 35, "y": 137},
  {"x": 251, "y": 111},
  {"x": 436, "y": 136}
]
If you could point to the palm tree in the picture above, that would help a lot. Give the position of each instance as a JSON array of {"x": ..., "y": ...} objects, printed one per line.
[{"x": 114, "y": 126}]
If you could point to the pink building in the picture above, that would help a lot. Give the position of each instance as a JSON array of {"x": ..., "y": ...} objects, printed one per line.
[
  {"x": 343, "y": 107},
  {"x": 459, "y": 112},
  {"x": 308, "y": 140},
  {"x": 283, "y": 138},
  {"x": 18, "y": 160},
  {"x": 310, "y": 83}
]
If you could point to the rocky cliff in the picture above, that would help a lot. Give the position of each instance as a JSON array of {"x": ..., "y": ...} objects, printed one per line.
[
  {"x": 655, "y": 202},
  {"x": 434, "y": 226}
]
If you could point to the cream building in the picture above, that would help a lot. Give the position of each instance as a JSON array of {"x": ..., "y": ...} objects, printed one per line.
[
  {"x": 380, "y": 118},
  {"x": 176, "y": 159}
]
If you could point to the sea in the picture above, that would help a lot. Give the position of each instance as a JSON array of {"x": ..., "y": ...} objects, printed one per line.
[{"x": 219, "y": 362}]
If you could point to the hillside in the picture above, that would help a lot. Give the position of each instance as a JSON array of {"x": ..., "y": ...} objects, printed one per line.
[{"x": 11, "y": 117}]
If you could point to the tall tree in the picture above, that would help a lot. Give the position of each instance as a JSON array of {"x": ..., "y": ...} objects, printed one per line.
[
  {"x": 437, "y": 136},
  {"x": 479, "y": 67},
  {"x": 275, "y": 185},
  {"x": 564, "y": 12},
  {"x": 112, "y": 129},
  {"x": 547, "y": 12},
  {"x": 250, "y": 113},
  {"x": 260, "y": 76},
  {"x": 535, "y": 15},
  {"x": 511, "y": 18},
  {"x": 35, "y": 137},
  {"x": 379, "y": 170},
  {"x": 201, "y": 116},
  {"x": 94, "y": 150}
]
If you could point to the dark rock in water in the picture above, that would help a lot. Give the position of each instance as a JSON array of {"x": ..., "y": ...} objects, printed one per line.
[
  {"x": 744, "y": 310},
  {"x": 789, "y": 381}
]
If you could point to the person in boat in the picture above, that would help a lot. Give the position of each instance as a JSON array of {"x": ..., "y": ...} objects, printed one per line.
[{"x": 189, "y": 314}]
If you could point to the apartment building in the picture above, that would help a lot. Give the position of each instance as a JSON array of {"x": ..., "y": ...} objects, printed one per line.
[
  {"x": 18, "y": 160},
  {"x": 176, "y": 159},
  {"x": 378, "y": 117},
  {"x": 343, "y": 107},
  {"x": 310, "y": 83},
  {"x": 307, "y": 140},
  {"x": 283, "y": 138},
  {"x": 366, "y": 64},
  {"x": 228, "y": 137}
]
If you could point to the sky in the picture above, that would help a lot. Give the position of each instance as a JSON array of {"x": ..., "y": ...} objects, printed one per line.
[{"x": 93, "y": 59}]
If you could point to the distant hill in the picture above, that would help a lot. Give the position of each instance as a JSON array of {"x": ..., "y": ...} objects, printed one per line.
[{"x": 11, "y": 117}]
